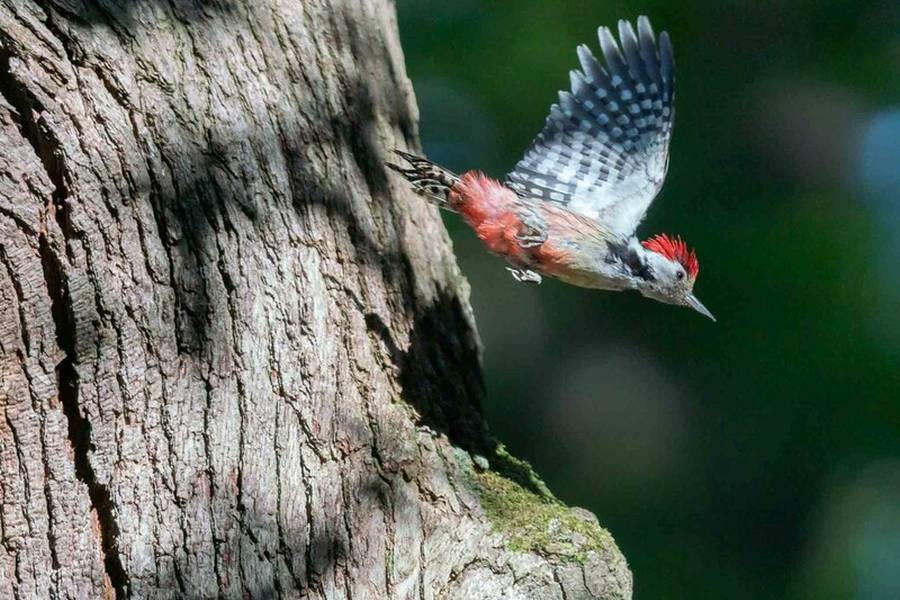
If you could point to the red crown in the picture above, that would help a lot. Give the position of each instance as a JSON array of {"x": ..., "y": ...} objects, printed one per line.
[{"x": 674, "y": 249}]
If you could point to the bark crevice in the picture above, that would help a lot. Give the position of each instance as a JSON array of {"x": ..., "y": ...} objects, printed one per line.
[
  {"x": 79, "y": 427},
  {"x": 26, "y": 114},
  {"x": 47, "y": 148}
]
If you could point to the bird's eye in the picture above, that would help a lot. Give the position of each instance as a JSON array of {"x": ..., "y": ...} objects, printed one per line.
[{"x": 679, "y": 275}]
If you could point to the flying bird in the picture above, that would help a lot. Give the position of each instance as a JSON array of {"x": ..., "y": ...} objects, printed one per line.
[{"x": 570, "y": 207}]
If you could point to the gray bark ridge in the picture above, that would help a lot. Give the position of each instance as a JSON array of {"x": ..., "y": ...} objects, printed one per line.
[{"x": 237, "y": 359}]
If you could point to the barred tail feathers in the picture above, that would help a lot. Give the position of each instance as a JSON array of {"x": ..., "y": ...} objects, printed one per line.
[{"x": 431, "y": 181}]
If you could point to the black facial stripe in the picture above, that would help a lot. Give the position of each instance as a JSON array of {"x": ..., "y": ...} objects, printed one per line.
[{"x": 630, "y": 258}]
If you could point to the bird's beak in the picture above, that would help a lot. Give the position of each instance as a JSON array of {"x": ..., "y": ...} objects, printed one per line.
[{"x": 698, "y": 306}]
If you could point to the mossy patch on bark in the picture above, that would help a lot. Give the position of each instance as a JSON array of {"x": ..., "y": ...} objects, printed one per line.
[{"x": 528, "y": 516}]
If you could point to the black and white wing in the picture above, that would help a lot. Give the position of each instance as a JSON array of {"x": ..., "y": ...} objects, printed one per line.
[{"x": 604, "y": 150}]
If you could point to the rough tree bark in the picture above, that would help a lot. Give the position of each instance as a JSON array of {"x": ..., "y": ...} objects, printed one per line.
[{"x": 237, "y": 359}]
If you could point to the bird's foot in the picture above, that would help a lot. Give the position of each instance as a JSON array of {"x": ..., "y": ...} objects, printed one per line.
[
  {"x": 524, "y": 275},
  {"x": 530, "y": 241}
]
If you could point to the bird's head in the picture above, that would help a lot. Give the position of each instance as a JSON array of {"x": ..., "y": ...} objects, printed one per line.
[{"x": 675, "y": 270}]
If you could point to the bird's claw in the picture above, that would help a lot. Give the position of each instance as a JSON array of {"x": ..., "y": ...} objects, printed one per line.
[
  {"x": 531, "y": 241},
  {"x": 524, "y": 275}
]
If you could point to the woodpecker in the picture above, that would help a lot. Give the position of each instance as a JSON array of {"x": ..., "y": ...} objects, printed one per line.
[{"x": 570, "y": 207}]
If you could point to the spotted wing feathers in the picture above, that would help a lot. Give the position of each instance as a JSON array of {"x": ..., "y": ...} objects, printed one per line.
[{"x": 604, "y": 149}]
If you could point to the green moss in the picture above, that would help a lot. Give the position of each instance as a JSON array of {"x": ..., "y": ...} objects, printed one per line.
[
  {"x": 519, "y": 471},
  {"x": 528, "y": 516}
]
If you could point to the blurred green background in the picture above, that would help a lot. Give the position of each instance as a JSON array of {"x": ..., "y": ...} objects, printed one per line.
[{"x": 756, "y": 457}]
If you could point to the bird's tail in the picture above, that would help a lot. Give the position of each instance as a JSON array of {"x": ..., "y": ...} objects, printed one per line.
[{"x": 432, "y": 182}]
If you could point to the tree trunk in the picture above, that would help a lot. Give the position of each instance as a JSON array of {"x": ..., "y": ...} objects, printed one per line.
[{"x": 237, "y": 358}]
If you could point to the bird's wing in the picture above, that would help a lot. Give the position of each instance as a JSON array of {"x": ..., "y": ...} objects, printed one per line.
[{"x": 604, "y": 150}]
